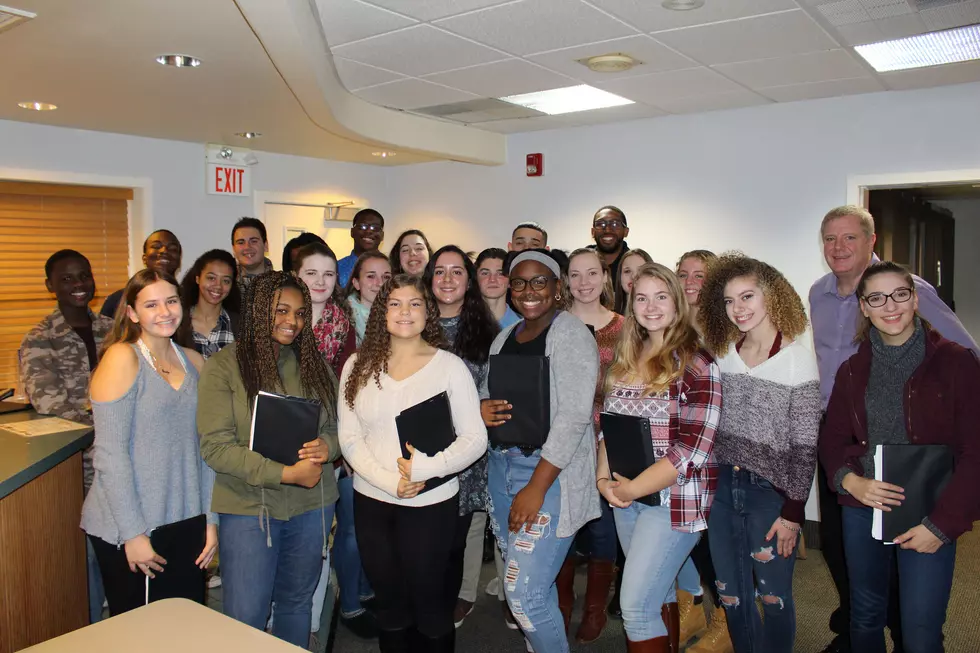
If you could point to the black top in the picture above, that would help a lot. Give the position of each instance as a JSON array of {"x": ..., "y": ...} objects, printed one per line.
[
  {"x": 112, "y": 303},
  {"x": 534, "y": 347},
  {"x": 85, "y": 333}
]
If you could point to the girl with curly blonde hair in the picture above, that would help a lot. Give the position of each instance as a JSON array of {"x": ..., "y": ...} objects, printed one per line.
[
  {"x": 401, "y": 526},
  {"x": 766, "y": 445}
]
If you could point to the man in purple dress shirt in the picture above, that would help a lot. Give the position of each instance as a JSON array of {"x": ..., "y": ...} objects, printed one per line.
[{"x": 848, "y": 237}]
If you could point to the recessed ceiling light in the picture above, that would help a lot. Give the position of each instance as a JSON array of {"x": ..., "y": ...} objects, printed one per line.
[
  {"x": 567, "y": 100},
  {"x": 682, "y": 5},
  {"x": 384, "y": 155},
  {"x": 179, "y": 60},
  {"x": 248, "y": 134},
  {"x": 37, "y": 106},
  {"x": 610, "y": 63},
  {"x": 932, "y": 49}
]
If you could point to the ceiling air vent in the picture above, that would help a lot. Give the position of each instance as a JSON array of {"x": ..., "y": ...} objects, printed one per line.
[{"x": 10, "y": 17}]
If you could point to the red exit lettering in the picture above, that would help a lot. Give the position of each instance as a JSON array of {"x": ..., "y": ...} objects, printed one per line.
[{"x": 228, "y": 180}]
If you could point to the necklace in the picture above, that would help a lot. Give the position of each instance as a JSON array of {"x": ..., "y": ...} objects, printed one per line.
[{"x": 154, "y": 362}]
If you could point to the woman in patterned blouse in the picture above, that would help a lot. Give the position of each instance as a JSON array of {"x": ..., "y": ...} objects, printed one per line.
[
  {"x": 211, "y": 300},
  {"x": 316, "y": 266},
  {"x": 660, "y": 373}
]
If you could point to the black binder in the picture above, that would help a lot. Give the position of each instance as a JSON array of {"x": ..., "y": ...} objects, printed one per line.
[
  {"x": 179, "y": 543},
  {"x": 525, "y": 382},
  {"x": 427, "y": 426},
  {"x": 281, "y": 425},
  {"x": 922, "y": 470},
  {"x": 629, "y": 448}
]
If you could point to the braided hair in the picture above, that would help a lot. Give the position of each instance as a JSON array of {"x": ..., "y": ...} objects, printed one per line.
[
  {"x": 257, "y": 362},
  {"x": 372, "y": 357}
]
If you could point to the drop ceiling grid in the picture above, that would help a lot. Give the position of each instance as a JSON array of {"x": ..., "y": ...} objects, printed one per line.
[{"x": 763, "y": 50}]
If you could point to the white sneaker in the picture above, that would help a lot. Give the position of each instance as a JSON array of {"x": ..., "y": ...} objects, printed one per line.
[{"x": 493, "y": 587}]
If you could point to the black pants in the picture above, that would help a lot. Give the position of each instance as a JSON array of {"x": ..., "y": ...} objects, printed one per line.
[
  {"x": 405, "y": 554},
  {"x": 701, "y": 555},
  {"x": 124, "y": 590},
  {"x": 832, "y": 548},
  {"x": 454, "y": 579}
]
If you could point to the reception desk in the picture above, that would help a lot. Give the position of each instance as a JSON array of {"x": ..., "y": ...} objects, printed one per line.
[{"x": 43, "y": 590}]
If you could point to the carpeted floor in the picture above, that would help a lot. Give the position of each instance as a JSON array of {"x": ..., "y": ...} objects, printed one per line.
[{"x": 484, "y": 631}]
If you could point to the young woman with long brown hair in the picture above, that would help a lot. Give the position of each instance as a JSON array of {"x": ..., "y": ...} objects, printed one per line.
[{"x": 405, "y": 538}]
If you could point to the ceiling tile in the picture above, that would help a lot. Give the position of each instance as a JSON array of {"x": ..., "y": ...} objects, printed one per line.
[
  {"x": 901, "y": 26},
  {"x": 655, "y": 57},
  {"x": 794, "y": 92},
  {"x": 952, "y": 15},
  {"x": 350, "y": 20},
  {"x": 879, "y": 9},
  {"x": 434, "y": 9},
  {"x": 795, "y": 69},
  {"x": 519, "y": 125},
  {"x": 651, "y": 89},
  {"x": 509, "y": 77},
  {"x": 531, "y": 26},
  {"x": 412, "y": 94},
  {"x": 715, "y": 102},
  {"x": 613, "y": 114},
  {"x": 513, "y": 111},
  {"x": 419, "y": 50},
  {"x": 860, "y": 33},
  {"x": 357, "y": 75},
  {"x": 650, "y": 16},
  {"x": 953, "y": 73},
  {"x": 762, "y": 37},
  {"x": 844, "y": 12}
]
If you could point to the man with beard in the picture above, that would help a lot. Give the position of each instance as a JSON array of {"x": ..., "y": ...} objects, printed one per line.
[
  {"x": 161, "y": 251},
  {"x": 367, "y": 231},
  {"x": 609, "y": 231}
]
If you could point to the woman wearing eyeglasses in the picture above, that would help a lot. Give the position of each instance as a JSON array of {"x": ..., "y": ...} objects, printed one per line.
[
  {"x": 540, "y": 498},
  {"x": 905, "y": 385}
]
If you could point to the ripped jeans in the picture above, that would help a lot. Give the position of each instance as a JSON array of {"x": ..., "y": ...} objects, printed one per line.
[
  {"x": 745, "y": 508},
  {"x": 533, "y": 557}
]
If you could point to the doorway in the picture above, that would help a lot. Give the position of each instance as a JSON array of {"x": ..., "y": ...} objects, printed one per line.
[{"x": 285, "y": 219}]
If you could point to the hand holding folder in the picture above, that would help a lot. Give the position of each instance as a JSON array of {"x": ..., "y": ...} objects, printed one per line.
[
  {"x": 524, "y": 382},
  {"x": 428, "y": 427},
  {"x": 281, "y": 425},
  {"x": 629, "y": 448},
  {"x": 180, "y": 543},
  {"x": 923, "y": 471}
]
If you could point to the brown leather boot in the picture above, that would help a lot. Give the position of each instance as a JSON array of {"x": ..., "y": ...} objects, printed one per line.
[
  {"x": 655, "y": 645},
  {"x": 601, "y": 575},
  {"x": 672, "y": 620},
  {"x": 566, "y": 590}
]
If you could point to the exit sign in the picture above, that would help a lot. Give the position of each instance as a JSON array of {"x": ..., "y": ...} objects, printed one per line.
[{"x": 229, "y": 170}]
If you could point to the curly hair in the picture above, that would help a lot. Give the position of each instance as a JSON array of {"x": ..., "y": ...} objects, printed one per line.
[
  {"x": 681, "y": 340},
  {"x": 477, "y": 325},
  {"x": 372, "y": 357},
  {"x": 607, "y": 296},
  {"x": 337, "y": 296},
  {"x": 783, "y": 304},
  {"x": 257, "y": 361},
  {"x": 394, "y": 257}
]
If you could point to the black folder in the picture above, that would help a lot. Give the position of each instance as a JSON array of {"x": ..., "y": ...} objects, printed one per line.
[
  {"x": 179, "y": 543},
  {"x": 524, "y": 381},
  {"x": 281, "y": 425},
  {"x": 629, "y": 448},
  {"x": 427, "y": 426},
  {"x": 923, "y": 471}
]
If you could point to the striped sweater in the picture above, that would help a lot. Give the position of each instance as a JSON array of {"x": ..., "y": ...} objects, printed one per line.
[{"x": 770, "y": 421}]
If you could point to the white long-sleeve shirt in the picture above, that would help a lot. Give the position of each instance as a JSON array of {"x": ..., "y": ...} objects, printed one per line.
[{"x": 369, "y": 437}]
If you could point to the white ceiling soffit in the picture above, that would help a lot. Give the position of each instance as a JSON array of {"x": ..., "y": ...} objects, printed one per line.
[
  {"x": 291, "y": 33},
  {"x": 418, "y": 55}
]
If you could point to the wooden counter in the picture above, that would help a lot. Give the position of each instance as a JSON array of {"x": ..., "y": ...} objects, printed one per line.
[{"x": 43, "y": 590}]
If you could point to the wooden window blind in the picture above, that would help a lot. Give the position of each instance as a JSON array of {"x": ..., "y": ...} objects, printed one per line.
[{"x": 36, "y": 220}]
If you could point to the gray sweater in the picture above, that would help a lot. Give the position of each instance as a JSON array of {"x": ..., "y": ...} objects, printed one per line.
[
  {"x": 148, "y": 467},
  {"x": 570, "y": 446}
]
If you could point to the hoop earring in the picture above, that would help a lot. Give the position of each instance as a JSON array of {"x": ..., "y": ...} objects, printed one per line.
[{"x": 557, "y": 298}]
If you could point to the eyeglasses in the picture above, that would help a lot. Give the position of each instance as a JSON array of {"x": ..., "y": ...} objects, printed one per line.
[
  {"x": 603, "y": 225},
  {"x": 879, "y": 299},
  {"x": 518, "y": 284},
  {"x": 368, "y": 227}
]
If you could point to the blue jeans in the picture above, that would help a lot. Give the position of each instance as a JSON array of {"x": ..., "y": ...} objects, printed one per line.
[
  {"x": 351, "y": 578},
  {"x": 924, "y": 583},
  {"x": 651, "y": 568},
  {"x": 689, "y": 579},
  {"x": 96, "y": 593},
  {"x": 532, "y": 557},
  {"x": 254, "y": 575},
  {"x": 745, "y": 508}
]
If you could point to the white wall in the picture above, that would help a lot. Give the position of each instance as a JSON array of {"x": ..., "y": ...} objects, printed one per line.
[
  {"x": 176, "y": 174},
  {"x": 756, "y": 179},
  {"x": 966, "y": 291}
]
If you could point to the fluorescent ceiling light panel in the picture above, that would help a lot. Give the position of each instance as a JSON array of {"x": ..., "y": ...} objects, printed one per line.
[
  {"x": 567, "y": 100},
  {"x": 932, "y": 49}
]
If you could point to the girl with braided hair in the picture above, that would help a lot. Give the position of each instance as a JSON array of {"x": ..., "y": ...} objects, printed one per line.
[
  {"x": 404, "y": 535},
  {"x": 273, "y": 518}
]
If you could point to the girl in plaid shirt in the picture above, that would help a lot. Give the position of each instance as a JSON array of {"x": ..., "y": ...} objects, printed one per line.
[{"x": 660, "y": 373}]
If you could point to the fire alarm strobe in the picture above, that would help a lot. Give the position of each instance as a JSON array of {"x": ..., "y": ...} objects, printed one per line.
[{"x": 535, "y": 165}]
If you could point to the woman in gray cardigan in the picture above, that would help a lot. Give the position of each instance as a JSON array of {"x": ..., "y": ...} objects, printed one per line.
[{"x": 533, "y": 517}]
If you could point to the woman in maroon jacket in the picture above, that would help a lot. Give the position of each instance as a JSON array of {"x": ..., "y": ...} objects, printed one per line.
[{"x": 905, "y": 385}]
